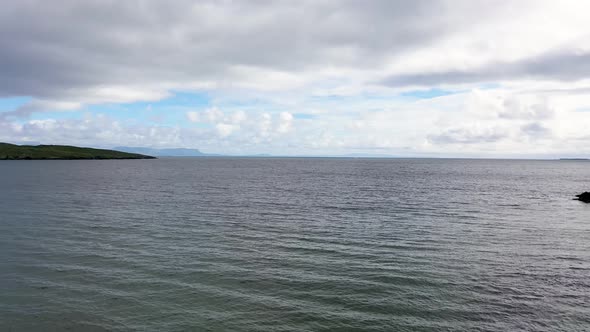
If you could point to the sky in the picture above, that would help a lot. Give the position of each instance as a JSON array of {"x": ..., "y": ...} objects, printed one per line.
[{"x": 458, "y": 78}]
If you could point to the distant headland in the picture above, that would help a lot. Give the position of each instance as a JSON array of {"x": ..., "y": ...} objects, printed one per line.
[
  {"x": 63, "y": 152},
  {"x": 176, "y": 152}
]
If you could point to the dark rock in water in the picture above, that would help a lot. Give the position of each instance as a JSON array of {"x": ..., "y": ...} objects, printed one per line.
[{"x": 584, "y": 197}]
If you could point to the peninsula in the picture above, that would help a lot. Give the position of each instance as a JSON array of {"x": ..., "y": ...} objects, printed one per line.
[{"x": 56, "y": 152}]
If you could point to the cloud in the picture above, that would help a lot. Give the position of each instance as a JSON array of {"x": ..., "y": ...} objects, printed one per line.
[
  {"x": 193, "y": 116},
  {"x": 96, "y": 52},
  {"x": 107, "y": 51},
  {"x": 467, "y": 124},
  {"x": 536, "y": 130},
  {"x": 224, "y": 129},
  {"x": 103, "y": 129},
  {"x": 238, "y": 117},
  {"x": 34, "y": 106},
  {"x": 513, "y": 108},
  {"x": 501, "y": 121},
  {"x": 570, "y": 66},
  {"x": 285, "y": 121},
  {"x": 471, "y": 134},
  {"x": 214, "y": 114}
]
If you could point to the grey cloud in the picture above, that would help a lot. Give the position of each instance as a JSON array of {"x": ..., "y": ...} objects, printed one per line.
[
  {"x": 467, "y": 136},
  {"x": 513, "y": 109},
  {"x": 23, "y": 111},
  {"x": 562, "y": 66},
  {"x": 536, "y": 130},
  {"x": 61, "y": 49}
]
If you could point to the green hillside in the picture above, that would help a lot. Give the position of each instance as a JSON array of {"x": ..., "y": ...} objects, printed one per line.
[{"x": 23, "y": 152}]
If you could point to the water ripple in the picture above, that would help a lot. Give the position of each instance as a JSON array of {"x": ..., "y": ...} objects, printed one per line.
[{"x": 294, "y": 245}]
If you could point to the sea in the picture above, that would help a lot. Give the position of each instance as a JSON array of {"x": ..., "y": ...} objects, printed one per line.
[{"x": 294, "y": 244}]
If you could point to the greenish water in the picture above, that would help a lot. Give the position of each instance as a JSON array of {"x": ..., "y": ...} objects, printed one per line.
[{"x": 252, "y": 244}]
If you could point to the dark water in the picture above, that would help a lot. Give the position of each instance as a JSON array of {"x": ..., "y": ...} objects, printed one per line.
[{"x": 227, "y": 244}]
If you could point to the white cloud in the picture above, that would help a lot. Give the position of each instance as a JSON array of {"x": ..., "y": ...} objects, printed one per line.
[
  {"x": 238, "y": 117},
  {"x": 285, "y": 121},
  {"x": 193, "y": 116},
  {"x": 214, "y": 114},
  {"x": 224, "y": 129}
]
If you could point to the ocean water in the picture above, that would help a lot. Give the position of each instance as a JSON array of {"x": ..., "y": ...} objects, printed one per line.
[{"x": 294, "y": 244}]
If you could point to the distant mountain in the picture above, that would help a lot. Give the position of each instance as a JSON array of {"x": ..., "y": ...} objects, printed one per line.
[
  {"x": 24, "y": 143},
  {"x": 164, "y": 152},
  {"x": 31, "y": 152}
]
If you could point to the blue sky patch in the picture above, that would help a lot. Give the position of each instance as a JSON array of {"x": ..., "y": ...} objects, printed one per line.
[
  {"x": 168, "y": 111},
  {"x": 427, "y": 94},
  {"x": 303, "y": 116},
  {"x": 12, "y": 103}
]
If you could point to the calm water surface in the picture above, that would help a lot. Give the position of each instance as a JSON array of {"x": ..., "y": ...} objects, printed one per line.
[{"x": 296, "y": 244}]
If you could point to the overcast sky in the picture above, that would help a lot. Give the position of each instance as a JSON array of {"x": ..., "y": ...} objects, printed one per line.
[{"x": 406, "y": 78}]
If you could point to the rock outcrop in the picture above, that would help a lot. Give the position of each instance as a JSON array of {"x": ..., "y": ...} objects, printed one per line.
[{"x": 584, "y": 197}]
